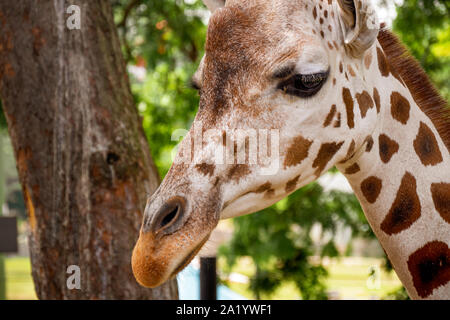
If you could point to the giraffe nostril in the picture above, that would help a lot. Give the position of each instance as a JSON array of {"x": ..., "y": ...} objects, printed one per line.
[{"x": 171, "y": 212}]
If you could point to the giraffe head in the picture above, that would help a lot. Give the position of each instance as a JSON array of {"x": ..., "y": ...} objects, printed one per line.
[{"x": 276, "y": 112}]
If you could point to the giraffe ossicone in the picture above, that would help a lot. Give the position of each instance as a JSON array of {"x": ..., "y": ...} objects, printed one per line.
[{"x": 339, "y": 91}]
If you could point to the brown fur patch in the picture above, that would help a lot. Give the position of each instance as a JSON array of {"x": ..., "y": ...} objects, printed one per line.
[
  {"x": 351, "y": 71},
  {"x": 349, "y": 104},
  {"x": 371, "y": 188},
  {"x": 238, "y": 171},
  {"x": 406, "y": 207},
  {"x": 326, "y": 153},
  {"x": 382, "y": 63},
  {"x": 376, "y": 98},
  {"x": 430, "y": 267},
  {"x": 426, "y": 146},
  {"x": 441, "y": 198},
  {"x": 341, "y": 67},
  {"x": 354, "y": 168},
  {"x": 314, "y": 13},
  {"x": 292, "y": 184},
  {"x": 365, "y": 102},
  {"x": 423, "y": 91},
  {"x": 388, "y": 147},
  {"x": 350, "y": 152},
  {"x": 369, "y": 143},
  {"x": 330, "y": 116},
  {"x": 400, "y": 107},
  {"x": 337, "y": 124},
  {"x": 297, "y": 152},
  {"x": 206, "y": 169}
]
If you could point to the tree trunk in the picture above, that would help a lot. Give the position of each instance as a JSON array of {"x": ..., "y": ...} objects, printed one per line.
[{"x": 83, "y": 160}]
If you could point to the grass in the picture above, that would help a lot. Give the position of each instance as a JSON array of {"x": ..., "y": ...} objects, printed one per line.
[
  {"x": 347, "y": 278},
  {"x": 19, "y": 284}
]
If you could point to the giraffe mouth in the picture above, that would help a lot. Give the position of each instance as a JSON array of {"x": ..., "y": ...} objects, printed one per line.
[{"x": 189, "y": 257}]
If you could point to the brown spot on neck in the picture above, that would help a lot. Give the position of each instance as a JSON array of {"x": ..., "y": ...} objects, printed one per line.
[
  {"x": 426, "y": 146},
  {"x": 297, "y": 152},
  {"x": 349, "y": 104},
  {"x": 376, "y": 98},
  {"x": 382, "y": 63},
  {"x": 430, "y": 267},
  {"x": 337, "y": 123},
  {"x": 354, "y": 168},
  {"x": 371, "y": 188},
  {"x": 440, "y": 193},
  {"x": 400, "y": 107},
  {"x": 369, "y": 143},
  {"x": 326, "y": 153},
  {"x": 350, "y": 152},
  {"x": 387, "y": 147},
  {"x": 406, "y": 208},
  {"x": 365, "y": 102},
  {"x": 263, "y": 188},
  {"x": 330, "y": 116}
]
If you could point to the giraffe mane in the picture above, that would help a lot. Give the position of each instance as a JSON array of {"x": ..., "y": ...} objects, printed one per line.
[{"x": 419, "y": 84}]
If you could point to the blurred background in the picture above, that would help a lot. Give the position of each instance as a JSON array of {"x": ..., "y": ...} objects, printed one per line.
[{"x": 315, "y": 244}]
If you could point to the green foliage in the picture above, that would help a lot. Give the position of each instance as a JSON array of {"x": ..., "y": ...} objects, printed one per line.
[
  {"x": 167, "y": 37},
  {"x": 424, "y": 26}
]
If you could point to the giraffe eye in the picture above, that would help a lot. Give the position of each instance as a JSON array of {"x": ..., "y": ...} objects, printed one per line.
[{"x": 303, "y": 85}]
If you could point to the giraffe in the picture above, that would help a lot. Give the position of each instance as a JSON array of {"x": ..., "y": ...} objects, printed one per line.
[{"x": 340, "y": 90}]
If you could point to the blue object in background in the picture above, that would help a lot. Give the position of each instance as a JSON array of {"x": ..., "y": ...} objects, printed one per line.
[{"x": 189, "y": 286}]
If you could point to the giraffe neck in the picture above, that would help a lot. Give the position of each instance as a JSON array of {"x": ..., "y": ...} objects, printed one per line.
[{"x": 401, "y": 175}]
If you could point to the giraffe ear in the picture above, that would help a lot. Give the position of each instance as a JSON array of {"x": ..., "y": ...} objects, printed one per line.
[
  {"x": 359, "y": 24},
  {"x": 213, "y": 5}
]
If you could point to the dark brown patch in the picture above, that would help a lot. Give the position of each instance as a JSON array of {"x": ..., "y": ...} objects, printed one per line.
[
  {"x": 382, "y": 63},
  {"x": 314, "y": 13},
  {"x": 330, "y": 28},
  {"x": 400, "y": 107},
  {"x": 369, "y": 143},
  {"x": 297, "y": 152},
  {"x": 238, "y": 171},
  {"x": 330, "y": 46},
  {"x": 388, "y": 147},
  {"x": 406, "y": 207},
  {"x": 354, "y": 168},
  {"x": 365, "y": 102},
  {"x": 326, "y": 153},
  {"x": 321, "y": 20},
  {"x": 418, "y": 83},
  {"x": 325, "y": 13},
  {"x": 426, "y": 146},
  {"x": 430, "y": 267},
  {"x": 337, "y": 124},
  {"x": 371, "y": 188},
  {"x": 376, "y": 98},
  {"x": 206, "y": 169},
  {"x": 292, "y": 184},
  {"x": 322, "y": 34},
  {"x": 330, "y": 116},
  {"x": 441, "y": 198},
  {"x": 350, "y": 152},
  {"x": 334, "y": 81},
  {"x": 263, "y": 188},
  {"x": 349, "y": 104},
  {"x": 341, "y": 67}
]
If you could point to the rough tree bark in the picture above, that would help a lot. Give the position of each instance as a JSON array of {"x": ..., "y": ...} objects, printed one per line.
[{"x": 81, "y": 153}]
